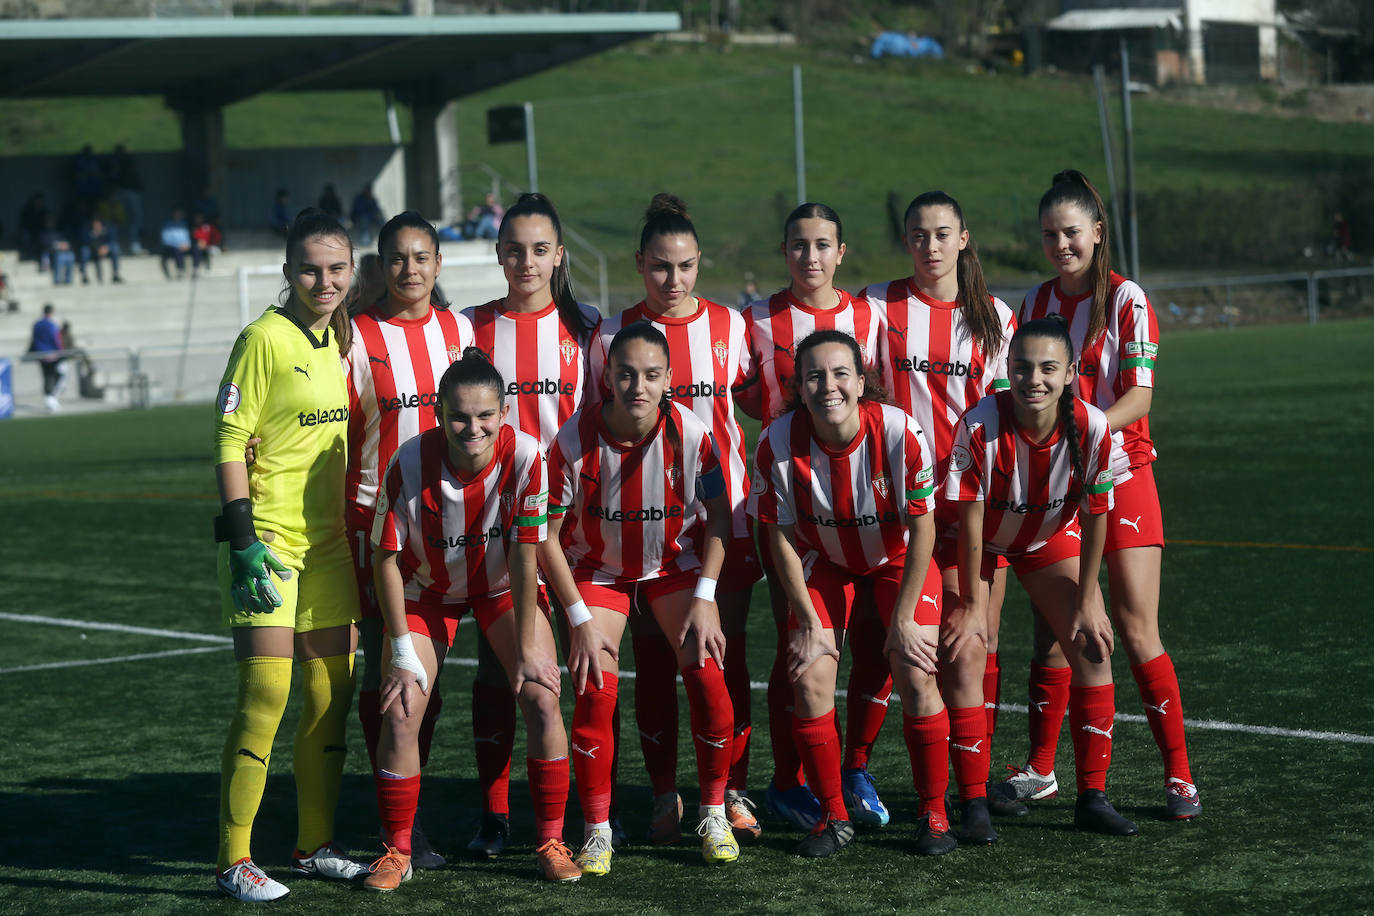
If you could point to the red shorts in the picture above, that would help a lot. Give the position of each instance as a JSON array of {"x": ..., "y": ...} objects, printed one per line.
[
  {"x": 621, "y": 596},
  {"x": 741, "y": 568},
  {"x": 358, "y": 524},
  {"x": 834, "y": 592},
  {"x": 440, "y": 621},
  {"x": 1066, "y": 544},
  {"x": 1135, "y": 519},
  {"x": 947, "y": 554}
]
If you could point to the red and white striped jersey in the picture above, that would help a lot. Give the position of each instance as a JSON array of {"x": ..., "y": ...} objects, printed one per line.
[
  {"x": 450, "y": 533},
  {"x": 543, "y": 362},
  {"x": 1122, "y": 357},
  {"x": 394, "y": 367},
  {"x": 1024, "y": 486},
  {"x": 930, "y": 363},
  {"x": 631, "y": 512},
  {"x": 709, "y": 357},
  {"x": 775, "y": 326},
  {"x": 852, "y": 504}
]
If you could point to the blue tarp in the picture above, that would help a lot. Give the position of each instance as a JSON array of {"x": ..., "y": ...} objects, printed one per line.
[{"x": 902, "y": 44}]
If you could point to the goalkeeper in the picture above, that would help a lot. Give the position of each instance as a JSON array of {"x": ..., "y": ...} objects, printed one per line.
[{"x": 285, "y": 569}]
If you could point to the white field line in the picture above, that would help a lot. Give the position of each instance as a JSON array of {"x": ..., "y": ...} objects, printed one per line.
[{"x": 223, "y": 641}]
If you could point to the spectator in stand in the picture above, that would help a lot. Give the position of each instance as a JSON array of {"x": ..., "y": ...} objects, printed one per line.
[
  {"x": 33, "y": 222},
  {"x": 1339, "y": 247},
  {"x": 329, "y": 202},
  {"x": 87, "y": 179},
  {"x": 177, "y": 244},
  {"x": 99, "y": 241},
  {"x": 205, "y": 239},
  {"x": 58, "y": 251},
  {"x": 484, "y": 220},
  {"x": 126, "y": 186},
  {"x": 366, "y": 217},
  {"x": 46, "y": 343},
  {"x": 279, "y": 217}
]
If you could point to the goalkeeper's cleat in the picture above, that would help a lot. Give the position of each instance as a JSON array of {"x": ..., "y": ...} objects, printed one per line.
[
  {"x": 329, "y": 861},
  {"x": 1026, "y": 784},
  {"x": 718, "y": 843},
  {"x": 389, "y": 872},
  {"x": 491, "y": 837},
  {"x": 861, "y": 798},
  {"x": 245, "y": 881},
  {"x": 556, "y": 862},
  {"x": 975, "y": 823},
  {"x": 422, "y": 854},
  {"x": 665, "y": 824},
  {"x": 1181, "y": 800},
  {"x": 1094, "y": 813},
  {"x": 595, "y": 857},
  {"x": 739, "y": 811}
]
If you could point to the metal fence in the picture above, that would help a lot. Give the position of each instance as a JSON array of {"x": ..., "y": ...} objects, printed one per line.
[{"x": 1264, "y": 298}]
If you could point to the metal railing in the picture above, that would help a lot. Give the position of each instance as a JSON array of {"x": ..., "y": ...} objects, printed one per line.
[{"x": 1264, "y": 298}]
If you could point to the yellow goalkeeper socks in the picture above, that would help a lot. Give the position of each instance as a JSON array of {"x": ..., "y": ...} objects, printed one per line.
[
  {"x": 320, "y": 749},
  {"x": 264, "y": 684}
]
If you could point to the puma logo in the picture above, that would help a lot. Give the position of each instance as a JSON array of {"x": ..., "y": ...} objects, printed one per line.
[
  {"x": 245, "y": 752},
  {"x": 975, "y": 749},
  {"x": 381, "y": 360},
  {"x": 1160, "y": 708},
  {"x": 1133, "y": 524},
  {"x": 302, "y": 372}
]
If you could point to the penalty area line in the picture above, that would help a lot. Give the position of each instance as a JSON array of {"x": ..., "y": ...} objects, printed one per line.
[{"x": 142, "y": 656}]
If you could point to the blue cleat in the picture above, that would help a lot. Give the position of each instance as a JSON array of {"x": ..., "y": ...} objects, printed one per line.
[
  {"x": 861, "y": 798},
  {"x": 797, "y": 806}
]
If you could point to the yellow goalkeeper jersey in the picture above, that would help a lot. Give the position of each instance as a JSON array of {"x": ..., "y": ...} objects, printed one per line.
[{"x": 288, "y": 387}]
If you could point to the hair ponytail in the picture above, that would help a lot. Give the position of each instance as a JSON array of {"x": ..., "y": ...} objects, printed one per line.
[
  {"x": 1073, "y": 187},
  {"x": 813, "y": 210},
  {"x": 560, "y": 285},
  {"x": 472, "y": 368},
  {"x": 975, "y": 302},
  {"x": 313, "y": 223}
]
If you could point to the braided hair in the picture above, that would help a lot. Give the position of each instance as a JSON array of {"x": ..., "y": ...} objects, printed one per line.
[
  {"x": 1055, "y": 327},
  {"x": 1073, "y": 188}
]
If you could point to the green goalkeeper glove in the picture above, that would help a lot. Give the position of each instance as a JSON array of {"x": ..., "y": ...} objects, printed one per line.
[{"x": 251, "y": 562}]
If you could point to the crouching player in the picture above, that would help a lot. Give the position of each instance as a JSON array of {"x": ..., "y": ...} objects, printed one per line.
[
  {"x": 1031, "y": 469},
  {"x": 459, "y": 517}
]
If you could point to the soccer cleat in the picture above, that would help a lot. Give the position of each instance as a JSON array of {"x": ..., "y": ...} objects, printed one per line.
[
  {"x": 975, "y": 823},
  {"x": 933, "y": 837},
  {"x": 595, "y": 857},
  {"x": 422, "y": 854},
  {"x": 389, "y": 871},
  {"x": 1181, "y": 800},
  {"x": 826, "y": 839},
  {"x": 618, "y": 835},
  {"x": 1094, "y": 813},
  {"x": 665, "y": 824},
  {"x": 1002, "y": 801},
  {"x": 245, "y": 881},
  {"x": 718, "y": 843},
  {"x": 329, "y": 861},
  {"x": 796, "y": 805},
  {"x": 1028, "y": 785},
  {"x": 861, "y": 798},
  {"x": 491, "y": 837},
  {"x": 556, "y": 862},
  {"x": 739, "y": 811}
]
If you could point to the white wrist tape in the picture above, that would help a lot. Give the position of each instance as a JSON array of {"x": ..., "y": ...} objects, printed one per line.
[
  {"x": 577, "y": 613},
  {"x": 403, "y": 656},
  {"x": 706, "y": 589}
]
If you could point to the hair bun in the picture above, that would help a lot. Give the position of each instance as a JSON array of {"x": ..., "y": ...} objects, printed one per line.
[
  {"x": 1070, "y": 175},
  {"x": 475, "y": 353},
  {"x": 666, "y": 204}
]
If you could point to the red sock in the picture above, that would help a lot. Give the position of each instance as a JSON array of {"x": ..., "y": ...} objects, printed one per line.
[
  {"x": 992, "y": 693},
  {"x": 615, "y": 750},
  {"x": 927, "y": 744},
  {"x": 593, "y": 746},
  {"x": 493, "y": 736},
  {"x": 549, "y": 789},
  {"x": 1049, "y": 697},
  {"x": 968, "y": 751},
  {"x": 870, "y": 686},
  {"x": 431, "y": 718},
  {"x": 1159, "y": 692},
  {"x": 787, "y": 764},
  {"x": 371, "y": 720},
  {"x": 737, "y": 683},
  {"x": 656, "y": 712},
  {"x": 396, "y": 801},
  {"x": 819, "y": 747},
  {"x": 1091, "y": 713},
  {"x": 712, "y": 728}
]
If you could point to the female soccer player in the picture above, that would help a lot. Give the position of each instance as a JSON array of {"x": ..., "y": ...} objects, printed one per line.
[
  {"x": 537, "y": 337},
  {"x": 402, "y": 343},
  {"x": 813, "y": 246},
  {"x": 943, "y": 345},
  {"x": 1114, "y": 328},
  {"x": 1031, "y": 470},
  {"x": 461, "y": 513},
  {"x": 638, "y": 510},
  {"x": 706, "y": 344},
  {"x": 844, "y": 488},
  {"x": 285, "y": 569}
]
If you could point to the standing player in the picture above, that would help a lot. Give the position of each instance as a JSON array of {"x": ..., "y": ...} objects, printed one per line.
[
  {"x": 813, "y": 246},
  {"x": 1114, "y": 328},
  {"x": 844, "y": 489},
  {"x": 638, "y": 511},
  {"x": 706, "y": 344},
  {"x": 461, "y": 513},
  {"x": 401, "y": 346},
  {"x": 537, "y": 338},
  {"x": 943, "y": 346},
  {"x": 285, "y": 569},
  {"x": 1031, "y": 469}
]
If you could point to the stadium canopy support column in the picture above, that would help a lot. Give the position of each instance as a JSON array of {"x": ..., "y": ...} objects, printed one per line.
[
  {"x": 202, "y": 146},
  {"x": 432, "y": 178}
]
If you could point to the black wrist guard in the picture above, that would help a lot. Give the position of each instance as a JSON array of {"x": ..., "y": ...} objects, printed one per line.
[{"x": 235, "y": 524}]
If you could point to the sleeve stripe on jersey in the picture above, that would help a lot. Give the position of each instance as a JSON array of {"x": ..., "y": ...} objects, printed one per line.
[
  {"x": 1099, "y": 488},
  {"x": 1000, "y": 384},
  {"x": 531, "y": 521},
  {"x": 555, "y": 511},
  {"x": 920, "y": 494},
  {"x": 1138, "y": 362}
]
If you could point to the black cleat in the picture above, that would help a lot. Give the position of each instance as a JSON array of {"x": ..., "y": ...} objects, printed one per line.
[
  {"x": 422, "y": 854},
  {"x": 1002, "y": 801},
  {"x": 934, "y": 838},
  {"x": 491, "y": 837},
  {"x": 1181, "y": 800},
  {"x": 828, "y": 838},
  {"x": 975, "y": 823},
  {"x": 1093, "y": 812}
]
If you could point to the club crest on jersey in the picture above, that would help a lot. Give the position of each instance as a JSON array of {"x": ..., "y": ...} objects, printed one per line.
[
  {"x": 568, "y": 348},
  {"x": 880, "y": 486},
  {"x": 507, "y": 500},
  {"x": 721, "y": 351},
  {"x": 455, "y": 353},
  {"x": 674, "y": 476}
]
